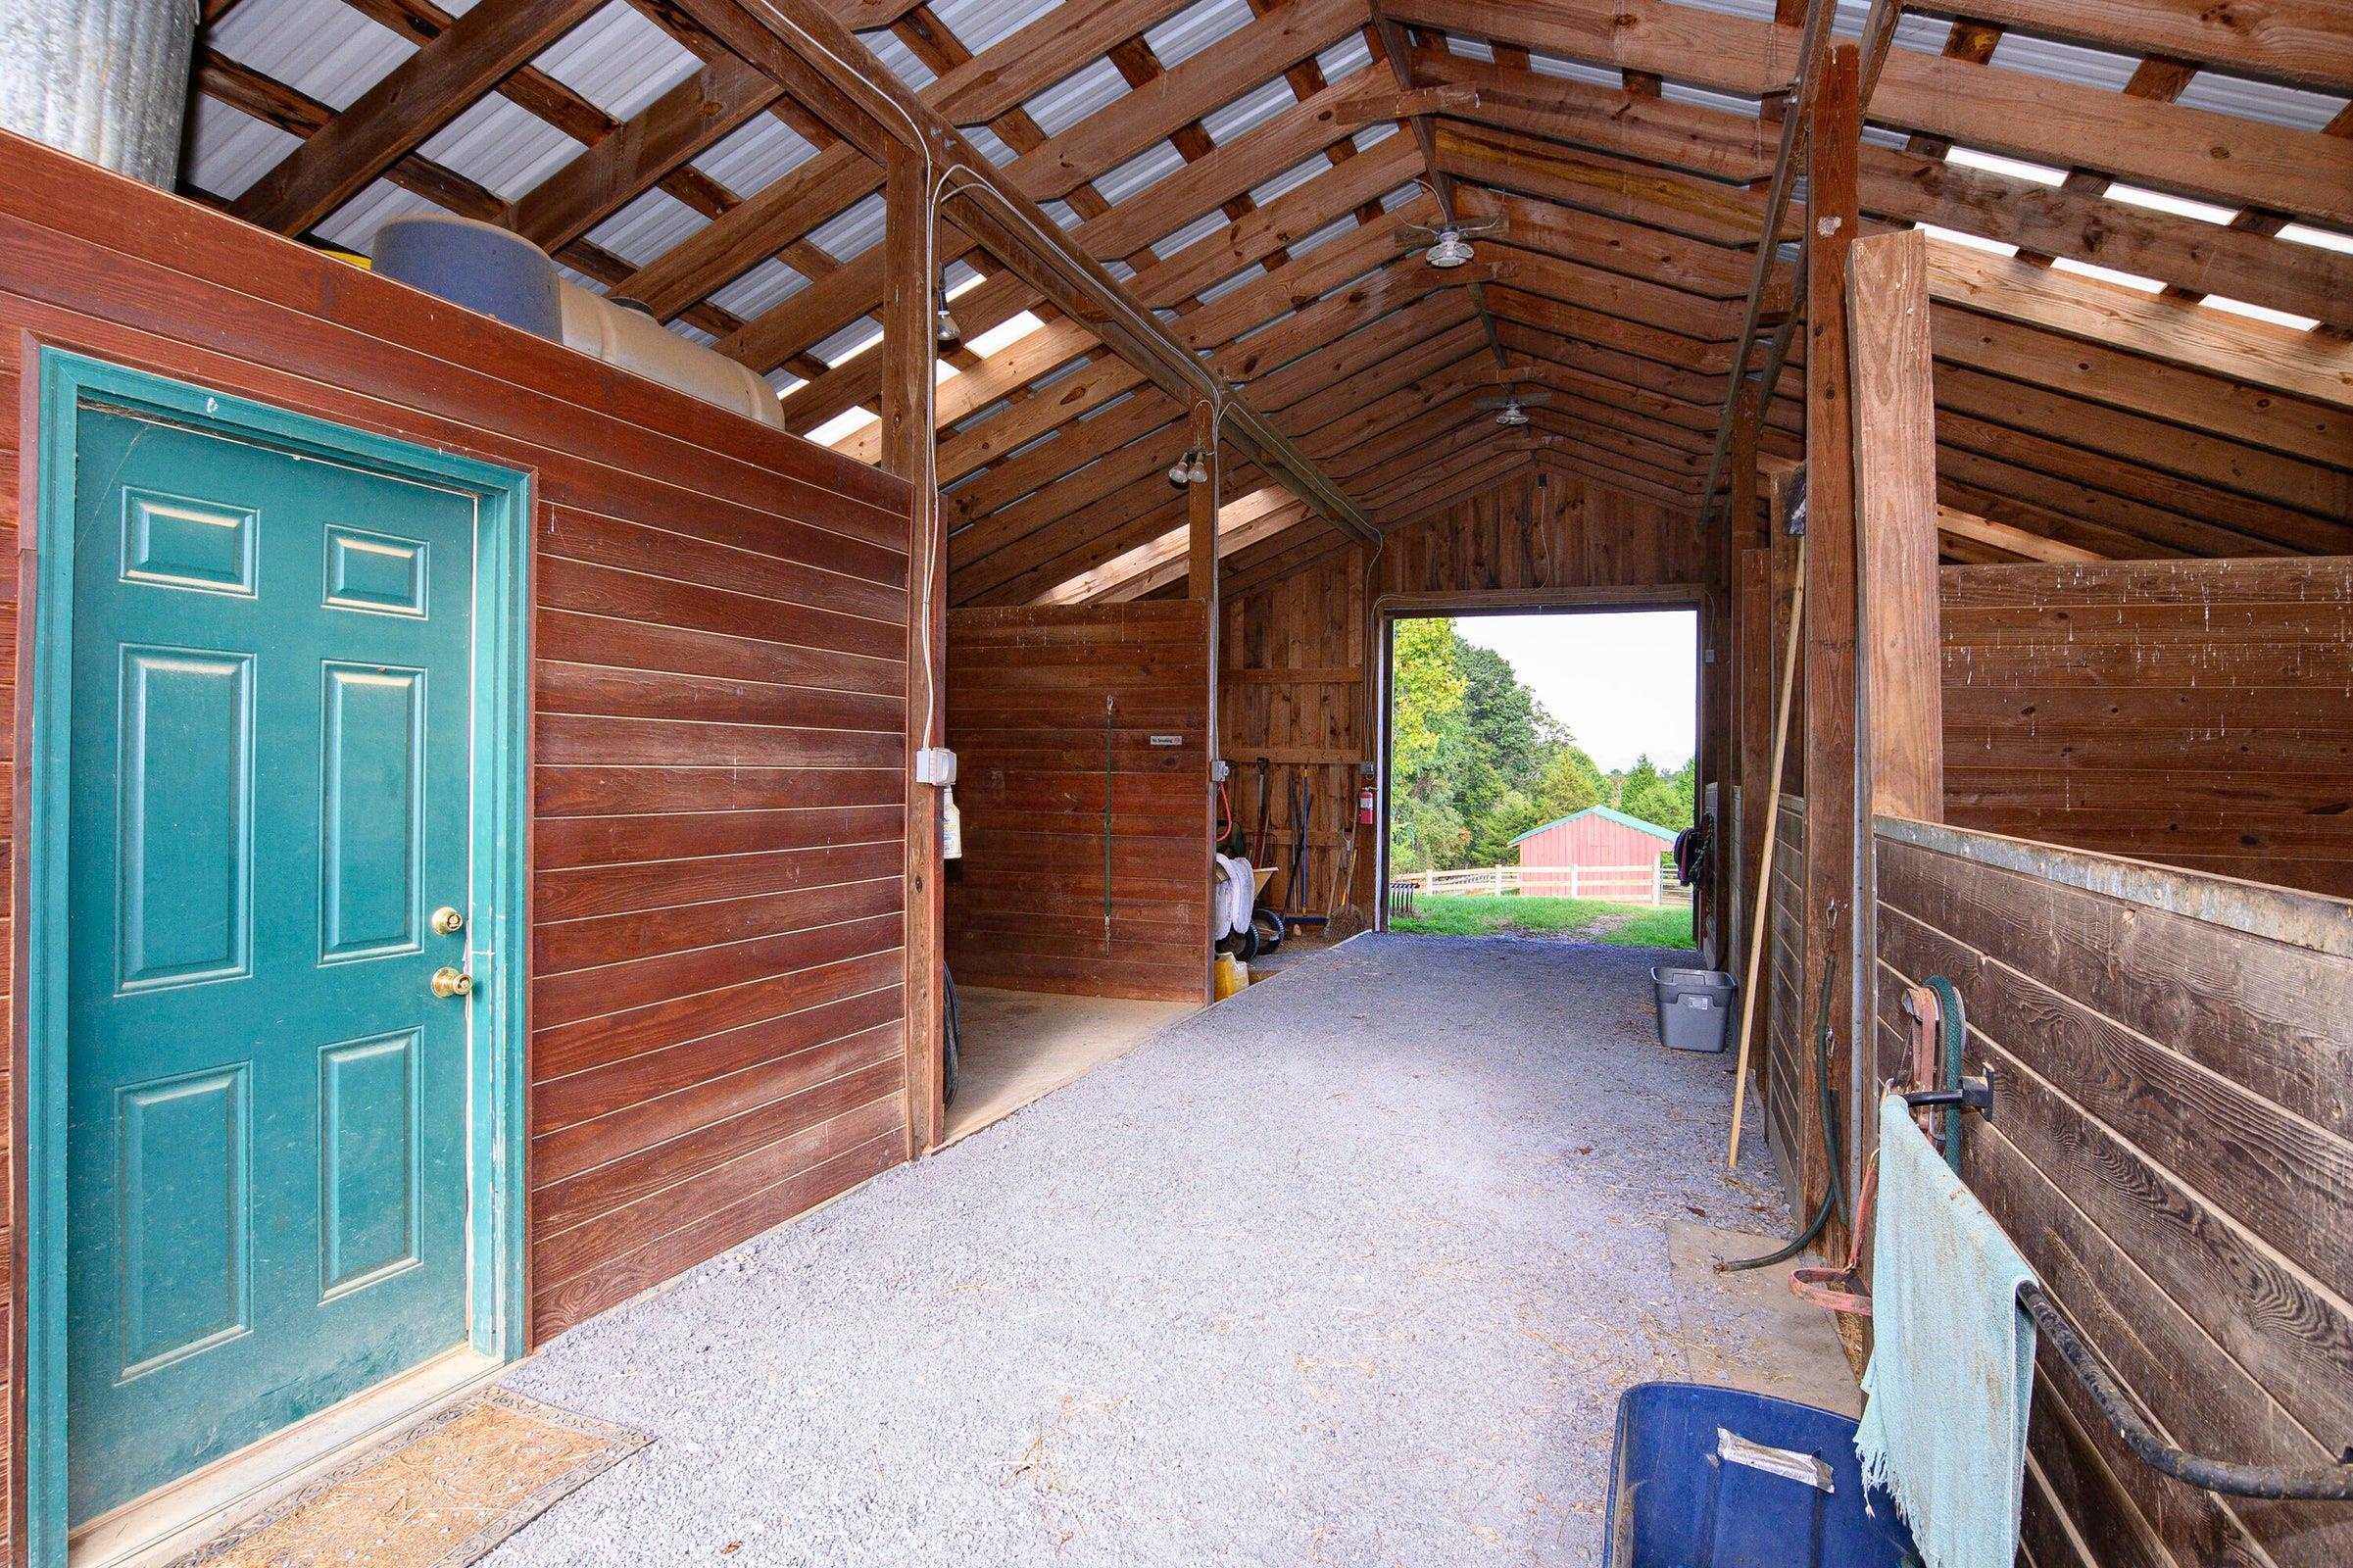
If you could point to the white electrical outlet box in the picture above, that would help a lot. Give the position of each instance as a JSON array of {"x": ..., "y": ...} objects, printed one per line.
[{"x": 935, "y": 764}]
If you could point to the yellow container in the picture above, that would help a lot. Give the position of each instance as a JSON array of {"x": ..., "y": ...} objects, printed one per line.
[{"x": 1233, "y": 975}]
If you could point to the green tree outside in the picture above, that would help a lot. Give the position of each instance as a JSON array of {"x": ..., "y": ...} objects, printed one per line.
[{"x": 1476, "y": 760}]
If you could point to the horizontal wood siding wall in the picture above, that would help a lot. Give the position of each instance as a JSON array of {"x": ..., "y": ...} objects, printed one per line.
[
  {"x": 1052, "y": 711},
  {"x": 2189, "y": 711},
  {"x": 719, "y": 626},
  {"x": 2173, "y": 1150},
  {"x": 1300, "y": 689}
]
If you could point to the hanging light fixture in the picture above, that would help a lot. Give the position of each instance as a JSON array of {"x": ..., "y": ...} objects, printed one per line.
[
  {"x": 1449, "y": 249},
  {"x": 1198, "y": 472},
  {"x": 951, "y": 334},
  {"x": 1181, "y": 473},
  {"x": 1512, "y": 412}
]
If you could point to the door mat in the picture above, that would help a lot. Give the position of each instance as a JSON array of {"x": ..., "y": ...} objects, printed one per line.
[{"x": 441, "y": 1496}]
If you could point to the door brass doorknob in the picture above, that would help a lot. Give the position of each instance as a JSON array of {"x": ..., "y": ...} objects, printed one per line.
[
  {"x": 449, "y": 982},
  {"x": 447, "y": 922}
]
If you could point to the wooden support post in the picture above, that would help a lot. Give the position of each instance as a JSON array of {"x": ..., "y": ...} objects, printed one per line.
[
  {"x": 1896, "y": 522},
  {"x": 1200, "y": 511},
  {"x": 1829, "y": 613},
  {"x": 910, "y": 347}
]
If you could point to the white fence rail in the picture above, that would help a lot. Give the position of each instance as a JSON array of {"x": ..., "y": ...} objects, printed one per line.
[{"x": 1613, "y": 884}]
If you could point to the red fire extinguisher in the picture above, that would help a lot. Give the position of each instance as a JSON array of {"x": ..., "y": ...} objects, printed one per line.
[{"x": 1365, "y": 807}]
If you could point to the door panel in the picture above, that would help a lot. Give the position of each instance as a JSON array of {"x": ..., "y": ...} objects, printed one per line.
[{"x": 270, "y": 778}]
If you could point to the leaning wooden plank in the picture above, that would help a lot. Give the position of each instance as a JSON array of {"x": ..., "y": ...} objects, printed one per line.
[
  {"x": 2306, "y": 365},
  {"x": 423, "y": 94},
  {"x": 1959, "y": 525}
]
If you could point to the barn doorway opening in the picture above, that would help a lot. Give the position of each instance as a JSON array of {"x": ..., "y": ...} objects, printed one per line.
[{"x": 1538, "y": 767}]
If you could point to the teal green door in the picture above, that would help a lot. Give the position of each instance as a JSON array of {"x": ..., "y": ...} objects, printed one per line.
[{"x": 267, "y": 1101}]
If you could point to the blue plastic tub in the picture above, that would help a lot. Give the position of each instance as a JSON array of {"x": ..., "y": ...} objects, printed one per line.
[{"x": 1715, "y": 1478}]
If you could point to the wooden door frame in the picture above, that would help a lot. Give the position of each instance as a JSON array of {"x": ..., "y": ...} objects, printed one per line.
[
  {"x": 497, "y": 941},
  {"x": 1390, "y": 609}
]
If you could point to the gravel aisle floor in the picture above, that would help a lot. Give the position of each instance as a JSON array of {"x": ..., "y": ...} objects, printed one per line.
[{"x": 1348, "y": 1270}]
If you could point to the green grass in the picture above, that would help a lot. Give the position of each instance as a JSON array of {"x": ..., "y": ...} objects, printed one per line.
[{"x": 1628, "y": 925}]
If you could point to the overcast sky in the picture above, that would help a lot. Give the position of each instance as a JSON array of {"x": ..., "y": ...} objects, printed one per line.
[{"x": 1624, "y": 683}]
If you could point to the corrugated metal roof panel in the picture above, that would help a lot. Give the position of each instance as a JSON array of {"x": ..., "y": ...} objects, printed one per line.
[
  {"x": 646, "y": 227},
  {"x": 847, "y": 235},
  {"x": 1345, "y": 58},
  {"x": 980, "y": 25},
  {"x": 755, "y": 154},
  {"x": 228, "y": 149},
  {"x": 355, "y": 224},
  {"x": 1250, "y": 111},
  {"x": 2260, "y": 100},
  {"x": 1195, "y": 28},
  {"x": 1063, "y": 104},
  {"x": 319, "y": 47},
  {"x": 899, "y": 58},
  {"x": 759, "y": 289},
  {"x": 1148, "y": 167},
  {"x": 501, "y": 146},
  {"x": 619, "y": 60}
]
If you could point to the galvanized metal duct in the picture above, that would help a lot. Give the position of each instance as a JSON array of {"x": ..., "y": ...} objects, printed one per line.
[{"x": 102, "y": 79}]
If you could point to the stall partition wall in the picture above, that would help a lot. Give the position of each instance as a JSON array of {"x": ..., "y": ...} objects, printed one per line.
[
  {"x": 719, "y": 627},
  {"x": 2171, "y": 1147},
  {"x": 1298, "y": 689},
  {"x": 2186, "y": 712},
  {"x": 1082, "y": 742}
]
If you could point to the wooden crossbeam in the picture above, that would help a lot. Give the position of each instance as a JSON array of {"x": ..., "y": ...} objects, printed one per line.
[{"x": 416, "y": 98}]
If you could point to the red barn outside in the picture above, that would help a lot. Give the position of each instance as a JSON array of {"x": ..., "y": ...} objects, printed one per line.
[{"x": 1598, "y": 852}]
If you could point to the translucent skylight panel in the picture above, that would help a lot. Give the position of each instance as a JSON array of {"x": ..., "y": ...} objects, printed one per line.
[
  {"x": 2015, "y": 168},
  {"x": 2108, "y": 275},
  {"x": 1012, "y": 329},
  {"x": 843, "y": 426},
  {"x": 1061, "y": 212},
  {"x": 1470, "y": 48},
  {"x": 2181, "y": 207},
  {"x": 2326, "y": 238},
  {"x": 1977, "y": 242},
  {"x": 2260, "y": 312}
]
